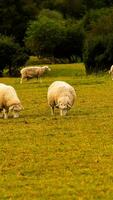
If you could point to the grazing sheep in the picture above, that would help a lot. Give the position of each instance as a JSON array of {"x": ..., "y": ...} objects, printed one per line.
[
  {"x": 9, "y": 101},
  {"x": 111, "y": 72},
  {"x": 33, "y": 72},
  {"x": 61, "y": 95}
]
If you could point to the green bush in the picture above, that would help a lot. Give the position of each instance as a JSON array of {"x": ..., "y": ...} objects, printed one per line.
[
  {"x": 98, "y": 45},
  {"x": 71, "y": 47},
  {"x": 98, "y": 53},
  {"x": 53, "y": 36},
  {"x": 45, "y": 33}
]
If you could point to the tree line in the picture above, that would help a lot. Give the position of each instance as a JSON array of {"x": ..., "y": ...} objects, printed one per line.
[{"x": 58, "y": 30}]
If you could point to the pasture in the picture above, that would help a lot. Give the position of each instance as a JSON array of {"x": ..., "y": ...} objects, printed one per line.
[{"x": 44, "y": 157}]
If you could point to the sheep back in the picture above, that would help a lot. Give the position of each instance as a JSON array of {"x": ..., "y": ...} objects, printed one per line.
[
  {"x": 33, "y": 71},
  {"x": 30, "y": 72},
  {"x": 8, "y": 96},
  {"x": 60, "y": 89}
]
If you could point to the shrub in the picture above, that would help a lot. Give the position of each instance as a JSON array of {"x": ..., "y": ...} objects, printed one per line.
[
  {"x": 44, "y": 34},
  {"x": 98, "y": 46},
  {"x": 98, "y": 53},
  {"x": 52, "y": 36}
]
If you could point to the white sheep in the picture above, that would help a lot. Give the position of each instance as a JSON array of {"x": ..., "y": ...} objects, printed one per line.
[
  {"x": 9, "y": 101},
  {"x": 61, "y": 95},
  {"x": 33, "y": 72},
  {"x": 111, "y": 71}
]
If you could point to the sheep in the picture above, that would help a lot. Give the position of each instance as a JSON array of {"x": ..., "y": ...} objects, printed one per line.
[
  {"x": 111, "y": 72},
  {"x": 32, "y": 72},
  {"x": 9, "y": 101},
  {"x": 61, "y": 95}
]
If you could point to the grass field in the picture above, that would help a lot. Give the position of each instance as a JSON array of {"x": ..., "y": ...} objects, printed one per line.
[{"x": 44, "y": 157}]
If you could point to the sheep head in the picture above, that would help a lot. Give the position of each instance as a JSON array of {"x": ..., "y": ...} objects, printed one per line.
[
  {"x": 16, "y": 108},
  {"x": 47, "y": 68},
  {"x": 64, "y": 105}
]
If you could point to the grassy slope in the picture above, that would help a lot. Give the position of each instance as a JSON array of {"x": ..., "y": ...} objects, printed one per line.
[{"x": 59, "y": 158}]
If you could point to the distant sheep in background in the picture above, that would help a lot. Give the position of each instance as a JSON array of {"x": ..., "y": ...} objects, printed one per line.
[
  {"x": 9, "y": 101},
  {"x": 61, "y": 95},
  {"x": 33, "y": 72},
  {"x": 111, "y": 72}
]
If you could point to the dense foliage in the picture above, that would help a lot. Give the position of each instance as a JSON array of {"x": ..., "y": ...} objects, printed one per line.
[
  {"x": 98, "y": 45},
  {"x": 11, "y": 55},
  {"x": 76, "y": 31},
  {"x": 14, "y": 16},
  {"x": 51, "y": 35}
]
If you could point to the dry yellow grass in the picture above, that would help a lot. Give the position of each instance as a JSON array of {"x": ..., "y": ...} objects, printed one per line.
[{"x": 46, "y": 157}]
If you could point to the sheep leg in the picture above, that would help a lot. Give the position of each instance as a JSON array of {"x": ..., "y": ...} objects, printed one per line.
[
  {"x": 28, "y": 78},
  {"x": 1, "y": 113},
  {"x": 5, "y": 114},
  {"x": 21, "y": 80},
  {"x": 61, "y": 112},
  {"x": 112, "y": 76},
  {"x": 52, "y": 110}
]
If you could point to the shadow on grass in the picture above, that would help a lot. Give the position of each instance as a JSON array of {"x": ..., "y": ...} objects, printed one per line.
[{"x": 45, "y": 117}]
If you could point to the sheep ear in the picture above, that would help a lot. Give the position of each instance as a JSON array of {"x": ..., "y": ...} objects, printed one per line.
[
  {"x": 21, "y": 106},
  {"x": 69, "y": 106},
  {"x": 11, "y": 108},
  {"x": 57, "y": 106}
]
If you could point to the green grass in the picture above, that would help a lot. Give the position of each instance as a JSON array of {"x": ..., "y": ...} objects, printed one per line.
[{"x": 44, "y": 157}]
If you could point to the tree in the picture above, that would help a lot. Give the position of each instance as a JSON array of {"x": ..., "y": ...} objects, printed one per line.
[
  {"x": 99, "y": 43},
  {"x": 75, "y": 9},
  {"x": 12, "y": 55},
  {"x": 14, "y": 16},
  {"x": 72, "y": 46},
  {"x": 43, "y": 35},
  {"x": 98, "y": 53},
  {"x": 51, "y": 35}
]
